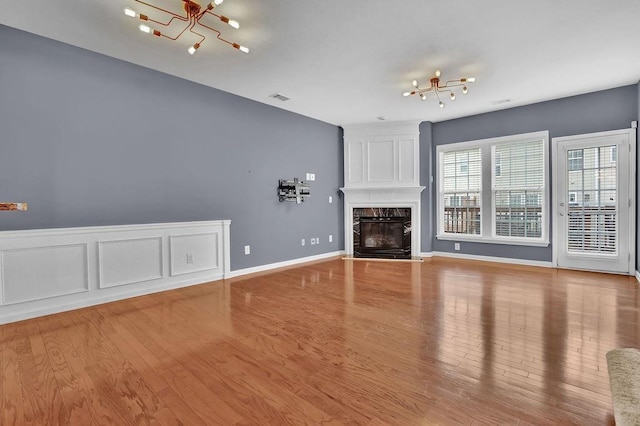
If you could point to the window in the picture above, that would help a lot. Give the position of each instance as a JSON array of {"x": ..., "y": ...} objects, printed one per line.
[
  {"x": 461, "y": 184},
  {"x": 573, "y": 198},
  {"x": 574, "y": 159},
  {"x": 495, "y": 190},
  {"x": 613, "y": 156},
  {"x": 518, "y": 190}
]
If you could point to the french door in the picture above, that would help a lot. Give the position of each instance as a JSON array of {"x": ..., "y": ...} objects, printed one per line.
[{"x": 594, "y": 209}]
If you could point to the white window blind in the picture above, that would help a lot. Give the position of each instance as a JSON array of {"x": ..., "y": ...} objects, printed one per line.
[
  {"x": 518, "y": 191},
  {"x": 461, "y": 188}
]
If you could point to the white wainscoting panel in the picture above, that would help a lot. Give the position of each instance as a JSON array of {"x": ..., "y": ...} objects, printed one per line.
[
  {"x": 381, "y": 164},
  {"x": 407, "y": 161},
  {"x": 200, "y": 249},
  {"x": 382, "y": 155},
  {"x": 48, "y": 271},
  {"x": 125, "y": 262},
  {"x": 42, "y": 272},
  {"x": 355, "y": 159}
]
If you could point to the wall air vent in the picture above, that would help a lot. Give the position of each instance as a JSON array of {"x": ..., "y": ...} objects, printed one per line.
[
  {"x": 501, "y": 101},
  {"x": 279, "y": 97}
]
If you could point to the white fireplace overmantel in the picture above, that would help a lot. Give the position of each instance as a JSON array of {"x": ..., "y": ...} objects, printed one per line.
[{"x": 382, "y": 169}]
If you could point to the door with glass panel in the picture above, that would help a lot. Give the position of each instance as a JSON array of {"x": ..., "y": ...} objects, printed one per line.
[{"x": 593, "y": 202}]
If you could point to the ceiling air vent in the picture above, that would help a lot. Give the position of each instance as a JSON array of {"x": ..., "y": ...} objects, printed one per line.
[
  {"x": 279, "y": 97},
  {"x": 501, "y": 101}
]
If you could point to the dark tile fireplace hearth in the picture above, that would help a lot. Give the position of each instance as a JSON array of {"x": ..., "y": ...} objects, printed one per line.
[{"x": 382, "y": 232}]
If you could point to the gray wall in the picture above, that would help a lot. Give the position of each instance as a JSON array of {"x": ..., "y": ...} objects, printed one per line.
[
  {"x": 594, "y": 112},
  {"x": 426, "y": 171},
  {"x": 88, "y": 140}
]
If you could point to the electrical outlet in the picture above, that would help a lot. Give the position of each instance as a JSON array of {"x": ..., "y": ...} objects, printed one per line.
[
  {"x": 303, "y": 241},
  {"x": 247, "y": 249},
  {"x": 189, "y": 257},
  {"x": 313, "y": 241},
  {"x": 330, "y": 238},
  {"x": 317, "y": 240},
  {"x": 456, "y": 246},
  {"x": 311, "y": 176},
  {"x": 330, "y": 199}
]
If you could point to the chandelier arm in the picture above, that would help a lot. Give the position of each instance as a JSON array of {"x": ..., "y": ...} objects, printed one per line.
[
  {"x": 445, "y": 90},
  {"x": 195, "y": 21},
  {"x": 162, "y": 10},
  {"x": 457, "y": 83},
  {"x": 219, "y": 36},
  {"x": 421, "y": 91},
  {"x": 210, "y": 13},
  {"x": 170, "y": 21},
  {"x": 176, "y": 37}
]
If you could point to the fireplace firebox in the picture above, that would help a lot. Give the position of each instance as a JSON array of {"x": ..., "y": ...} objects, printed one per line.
[{"x": 382, "y": 233}]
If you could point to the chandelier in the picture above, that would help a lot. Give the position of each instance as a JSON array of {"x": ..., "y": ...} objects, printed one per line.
[
  {"x": 438, "y": 88},
  {"x": 191, "y": 21}
]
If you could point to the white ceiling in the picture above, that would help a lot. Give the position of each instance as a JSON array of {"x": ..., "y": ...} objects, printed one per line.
[{"x": 348, "y": 61}]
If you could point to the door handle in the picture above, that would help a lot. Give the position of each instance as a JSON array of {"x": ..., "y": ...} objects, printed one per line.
[{"x": 562, "y": 204}]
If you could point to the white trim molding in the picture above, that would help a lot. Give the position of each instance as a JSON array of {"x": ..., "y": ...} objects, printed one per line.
[
  {"x": 509, "y": 260},
  {"x": 54, "y": 270},
  {"x": 293, "y": 262}
]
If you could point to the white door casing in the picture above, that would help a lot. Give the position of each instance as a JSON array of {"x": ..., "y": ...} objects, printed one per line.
[{"x": 593, "y": 205}]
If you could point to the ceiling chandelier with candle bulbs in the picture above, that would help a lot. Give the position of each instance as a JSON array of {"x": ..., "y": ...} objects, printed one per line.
[
  {"x": 195, "y": 20},
  {"x": 437, "y": 88}
]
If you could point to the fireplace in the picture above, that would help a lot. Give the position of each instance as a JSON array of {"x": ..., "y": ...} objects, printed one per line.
[
  {"x": 382, "y": 233},
  {"x": 382, "y": 187}
]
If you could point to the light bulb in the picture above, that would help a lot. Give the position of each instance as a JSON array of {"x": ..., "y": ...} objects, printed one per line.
[
  {"x": 231, "y": 22},
  {"x": 218, "y": 2},
  {"x": 415, "y": 83},
  {"x": 406, "y": 94},
  {"x": 423, "y": 96},
  {"x": 145, "y": 29},
  {"x": 437, "y": 73},
  {"x": 471, "y": 79},
  {"x": 464, "y": 90},
  {"x": 453, "y": 96},
  {"x": 241, "y": 48},
  {"x": 130, "y": 12},
  {"x": 193, "y": 48},
  {"x": 441, "y": 104}
]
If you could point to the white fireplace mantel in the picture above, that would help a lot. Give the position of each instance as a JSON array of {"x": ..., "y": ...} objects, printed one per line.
[
  {"x": 382, "y": 169},
  {"x": 408, "y": 197}
]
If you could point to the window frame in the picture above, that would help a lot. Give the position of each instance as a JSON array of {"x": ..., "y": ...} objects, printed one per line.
[{"x": 487, "y": 191}]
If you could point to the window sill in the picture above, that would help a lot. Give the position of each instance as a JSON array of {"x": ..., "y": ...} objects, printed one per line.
[{"x": 484, "y": 240}]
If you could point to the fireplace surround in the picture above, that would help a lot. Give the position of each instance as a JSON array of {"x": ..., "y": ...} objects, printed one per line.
[{"x": 382, "y": 233}]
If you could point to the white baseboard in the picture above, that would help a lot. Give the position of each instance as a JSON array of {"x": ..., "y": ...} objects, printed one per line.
[
  {"x": 638, "y": 276},
  {"x": 283, "y": 264},
  {"x": 509, "y": 260}
]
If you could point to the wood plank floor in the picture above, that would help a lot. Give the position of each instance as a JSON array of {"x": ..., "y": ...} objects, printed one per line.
[{"x": 336, "y": 342}]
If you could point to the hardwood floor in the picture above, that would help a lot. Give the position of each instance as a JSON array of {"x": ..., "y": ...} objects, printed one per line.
[{"x": 337, "y": 342}]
